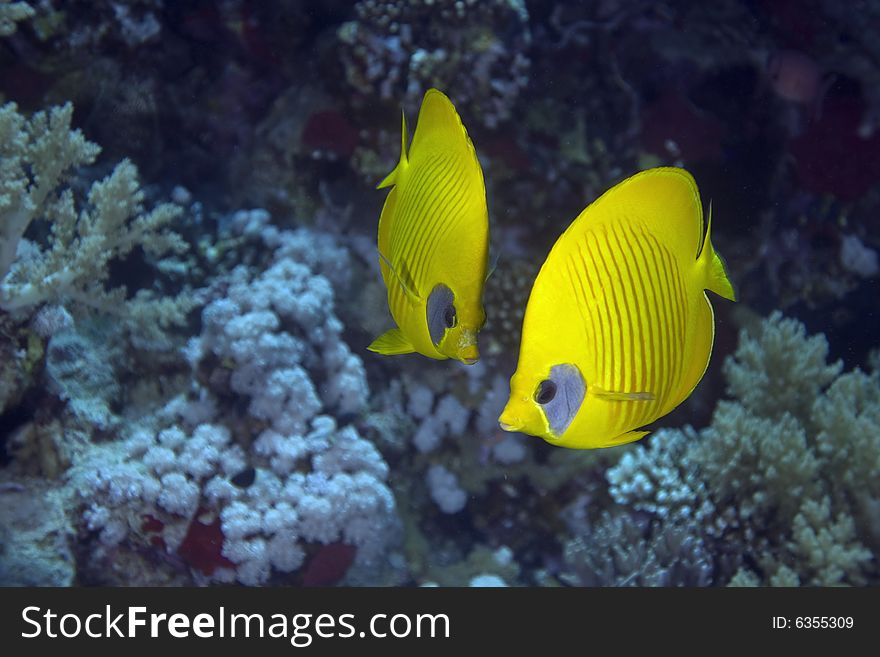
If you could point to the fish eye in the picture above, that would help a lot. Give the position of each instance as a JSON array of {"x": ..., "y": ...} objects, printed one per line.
[
  {"x": 440, "y": 312},
  {"x": 546, "y": 392},
  {"x": 449, "y": 316}
]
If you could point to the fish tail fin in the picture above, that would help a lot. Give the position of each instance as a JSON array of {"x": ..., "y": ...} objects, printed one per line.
[
  {"x": 391, "y": 343},
  {"x": 712, "y": 264},
  {"x": 392, "y": 177}
]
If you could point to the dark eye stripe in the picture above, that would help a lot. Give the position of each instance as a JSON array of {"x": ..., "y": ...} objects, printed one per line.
[
  {"x": 439, "y": 301},
  {"x": 546, "y": 392},
  {"x": 569, "y": 389},
  {"x": 449, "y": 316}
]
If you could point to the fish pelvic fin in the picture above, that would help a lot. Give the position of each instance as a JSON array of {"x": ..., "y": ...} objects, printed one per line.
[
  {"x": 624, "y": 438},
  {"x": 391, "y": 343},
  {"x": 402, "y": 163},
  {"x": 711, "y": 263}
]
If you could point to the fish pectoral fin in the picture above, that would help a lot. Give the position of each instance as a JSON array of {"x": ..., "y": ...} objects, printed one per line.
[
  {"x": 404, "y": 279},
  {"x": 493, "y": 264},
  {"x": 624, "y": 438},
  {"x": 409, "y": 284},
  {"x": 611, "y": 395},
  {"x": 391, "y": 343}
]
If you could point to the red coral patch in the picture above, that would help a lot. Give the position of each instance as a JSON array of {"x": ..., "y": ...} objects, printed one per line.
[
  {"x": 202, "y": 548},
  {"x": 329, "y": 565},
  {"x": 329, "y": 131}
]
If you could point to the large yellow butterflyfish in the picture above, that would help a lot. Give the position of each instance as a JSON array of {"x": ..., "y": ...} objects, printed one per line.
[
  {"x": 434, "y": 239},
  {"x": 618, "y": 329}
]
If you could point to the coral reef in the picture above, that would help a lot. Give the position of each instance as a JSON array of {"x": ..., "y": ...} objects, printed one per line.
[
  {"x": 507, "y": 291},
  {"x": 185, "y": 391},
  {"x": 35, "y": 531},
  {"x": 276, "y": 479},
  {"x": 72, "y": 266},
  {"x": 622, "y": 550},
  {"x": 779, "y": 488},
  {"x": 396, "y": 50}
]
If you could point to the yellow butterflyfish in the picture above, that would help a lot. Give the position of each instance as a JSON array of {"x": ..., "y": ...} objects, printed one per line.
[
  {"x": 434, "y": 239},
  {"x": 618, "y": 329}
]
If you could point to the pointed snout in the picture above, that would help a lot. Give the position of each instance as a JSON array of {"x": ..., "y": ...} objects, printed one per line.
[
  {"x": 469, "y": 355},
  {"x": 508, "y": 420}
]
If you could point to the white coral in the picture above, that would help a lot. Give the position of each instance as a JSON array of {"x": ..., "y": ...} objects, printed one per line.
[
  {"x": 38, "y": 157},
  {"x": 271, "y": 339}
]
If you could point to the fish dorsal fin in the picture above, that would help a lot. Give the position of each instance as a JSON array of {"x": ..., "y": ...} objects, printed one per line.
[
  {"x": 624, "y": 438},
  {"x": 664, "y": 200},
  {"x": 392, "y": 178},
  {"x": 404, "y": 279},
  {"x": 391, "y": 343},
  {"x": 440, "y": 129}
]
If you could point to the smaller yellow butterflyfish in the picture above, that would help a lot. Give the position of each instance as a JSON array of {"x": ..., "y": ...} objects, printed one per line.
[
  {"x": 434, "y": 239},
  {"x": 618, "y": 329}
]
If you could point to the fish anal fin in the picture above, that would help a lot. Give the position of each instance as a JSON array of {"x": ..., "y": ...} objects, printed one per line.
[
  {"x": 624, "y": 438},
  {"x": 391, "y": 343}
]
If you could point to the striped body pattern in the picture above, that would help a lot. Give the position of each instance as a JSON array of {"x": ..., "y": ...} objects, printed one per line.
[
  {"x": 618, "y": 329},
  {"x": 636, "y": 334},
  {"x": 429, "y": 210},
  {"x": 433, "y": 239}
]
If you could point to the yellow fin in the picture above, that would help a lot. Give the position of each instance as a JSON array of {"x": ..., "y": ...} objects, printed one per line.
[
  {"x": 665, "y": 200},
  {"x": 391, "y": 343},
  {"x": 717, "y": 279},
  {"x": 391, "y": 178},
  {"x": 623, "y": 439},
  {"x": 440, "y": 130},
  {"x": 611, "y": 395},
  {"x": 408, "y": 282}
]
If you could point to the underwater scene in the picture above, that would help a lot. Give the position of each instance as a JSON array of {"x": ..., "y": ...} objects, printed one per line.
[{"x": 439, "y": 293}]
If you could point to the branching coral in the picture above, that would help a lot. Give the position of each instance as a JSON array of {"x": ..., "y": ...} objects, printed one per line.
[
  {"x": 622, "y": 550},
  {"x": 770, "y": 380},
  {"x": 38, "y": 157},
  {"x": 784, "y": 478}
]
